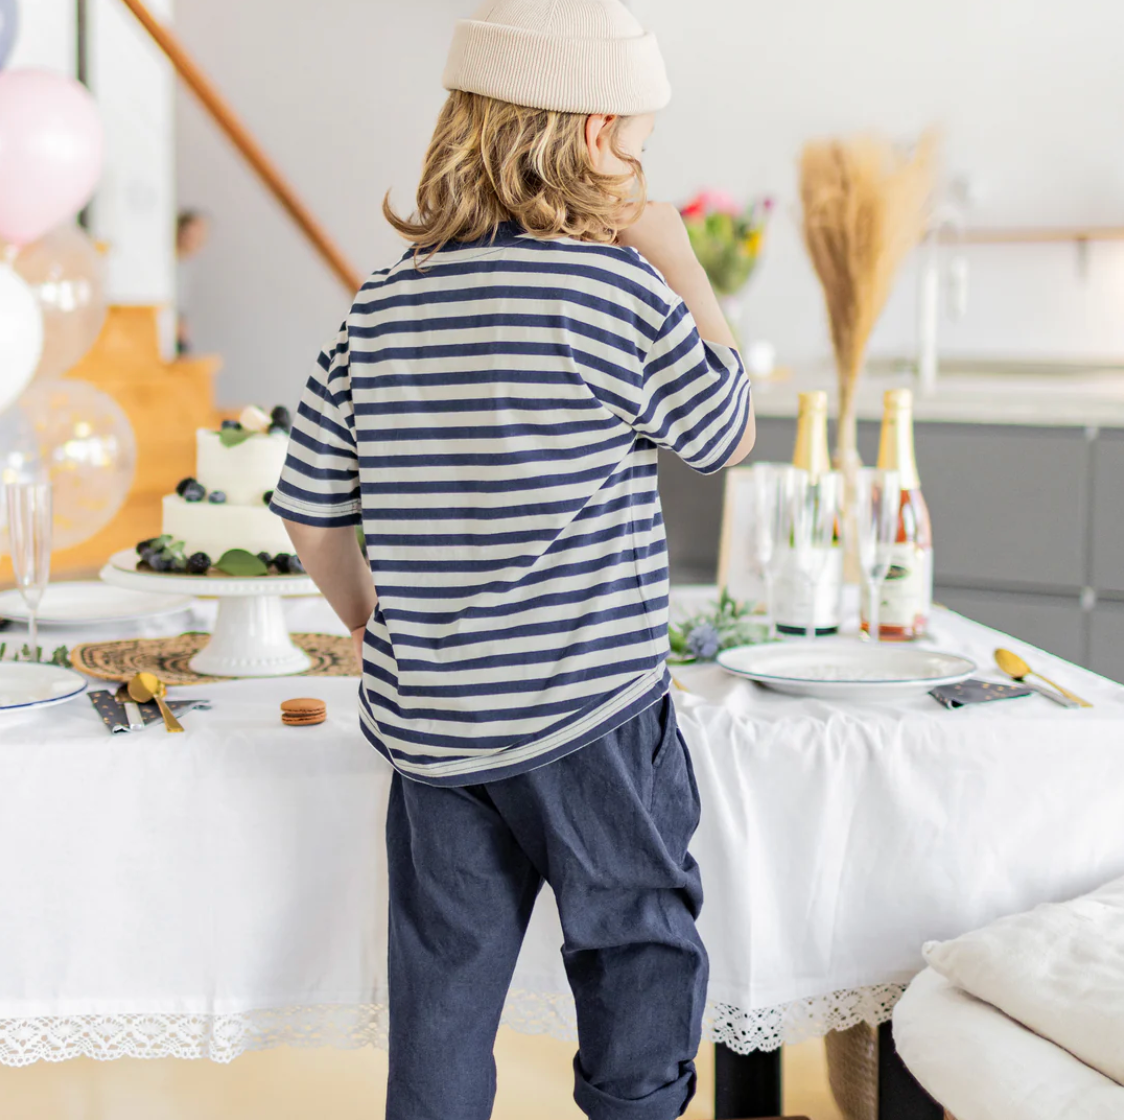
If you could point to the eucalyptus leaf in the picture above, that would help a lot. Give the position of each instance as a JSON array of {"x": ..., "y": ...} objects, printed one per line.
[
  {"x": 239, "y": 562},
  {"x": 232, "y": 437}
]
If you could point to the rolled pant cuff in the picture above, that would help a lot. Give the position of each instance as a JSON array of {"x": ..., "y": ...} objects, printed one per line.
[{"x": 665, "y": 1103}]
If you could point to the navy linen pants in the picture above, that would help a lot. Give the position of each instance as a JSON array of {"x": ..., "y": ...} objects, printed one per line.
[{"x": 607, "y": 827}]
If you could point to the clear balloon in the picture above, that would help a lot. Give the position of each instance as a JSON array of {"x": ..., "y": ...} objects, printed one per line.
[
  {"x": 67, "y": 274},
  {"x": 9, "y": 28},
  {"x": 88, "y": 450},
  {"x": 50, "y": 149},
  {"x": 21, "y": 335}
]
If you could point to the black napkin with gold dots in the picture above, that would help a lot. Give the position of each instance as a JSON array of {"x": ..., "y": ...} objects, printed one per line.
[
  {"x": 112, "y": 711},
  {"x": 974, "y": 691}
]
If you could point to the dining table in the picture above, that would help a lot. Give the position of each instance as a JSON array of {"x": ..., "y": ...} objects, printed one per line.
[{"x": 200, "y": 895}]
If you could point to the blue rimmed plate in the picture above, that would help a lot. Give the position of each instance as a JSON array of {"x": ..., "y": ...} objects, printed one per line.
[
  {"x": 844, "y": 669},
  {"x": 25, "y": 685}
]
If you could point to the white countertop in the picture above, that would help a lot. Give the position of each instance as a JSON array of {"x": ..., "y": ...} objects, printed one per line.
[{"x": 1080, "y": 399}]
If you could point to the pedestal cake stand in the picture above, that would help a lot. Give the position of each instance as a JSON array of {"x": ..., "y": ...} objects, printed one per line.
[{"x": 250, "y": 638}]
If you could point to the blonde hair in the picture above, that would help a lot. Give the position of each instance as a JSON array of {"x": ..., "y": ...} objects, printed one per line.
[{"x": 491, "y": 162}]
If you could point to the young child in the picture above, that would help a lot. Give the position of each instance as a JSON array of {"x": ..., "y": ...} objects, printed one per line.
[{"x": 490, "y": 412}]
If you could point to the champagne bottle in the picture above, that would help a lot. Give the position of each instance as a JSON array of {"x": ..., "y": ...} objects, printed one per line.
[
  {"x": 907, "y": 594},
  {"x": 791, "y": 595}
]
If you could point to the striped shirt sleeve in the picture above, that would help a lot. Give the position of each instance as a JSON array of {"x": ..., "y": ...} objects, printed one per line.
[
  {"x": 320, "y": 481},
  {"x": 695, "y": 395}
]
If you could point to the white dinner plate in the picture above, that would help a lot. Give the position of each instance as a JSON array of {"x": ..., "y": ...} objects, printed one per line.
[
  {"x": 846, "y": 669},
  {"x": 26, "y": 684},
  {"x": 92, "y": 603}
]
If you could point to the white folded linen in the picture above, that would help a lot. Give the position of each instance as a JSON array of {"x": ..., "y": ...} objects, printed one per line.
[
  {"x": 982, "y": 1065},
  {"x": 1058, "y": 969}
]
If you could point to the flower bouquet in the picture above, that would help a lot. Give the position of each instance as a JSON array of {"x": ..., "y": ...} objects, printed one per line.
[
  {"x": 723, "y": 625},
  {"x": 726, "y": 237}
]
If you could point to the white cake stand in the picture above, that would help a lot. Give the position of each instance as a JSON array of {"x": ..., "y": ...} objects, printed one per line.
[{"x": 250, "y": 638}]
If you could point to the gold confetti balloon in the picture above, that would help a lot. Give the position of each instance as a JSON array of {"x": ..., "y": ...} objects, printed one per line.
[
  {"x": 88, "y": 450},
  {"x": 66, "y": 273}
]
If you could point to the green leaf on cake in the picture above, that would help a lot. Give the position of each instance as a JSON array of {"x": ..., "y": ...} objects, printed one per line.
[
  {"x": 239, "y": 562},
  {"x": 232, "y": 437}
]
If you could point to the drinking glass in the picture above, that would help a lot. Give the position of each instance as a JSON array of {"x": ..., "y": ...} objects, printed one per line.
[
  {"x": 772, "y": 487},
  {"x": 813, "y": 515},
  {"x": 29, "y": 534},
  {"x": 878, "y": 496}
]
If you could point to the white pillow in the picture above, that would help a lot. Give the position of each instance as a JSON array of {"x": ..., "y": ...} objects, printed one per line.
[{"x": 1057, "y": 969}]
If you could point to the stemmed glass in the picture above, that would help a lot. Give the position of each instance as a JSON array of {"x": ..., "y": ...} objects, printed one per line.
[
  {"x": 878, "y": 496},
  {"x": 772, "y": 488},
  {"x": 813, "y": 515},
  {"x": 29, "y": 533}
]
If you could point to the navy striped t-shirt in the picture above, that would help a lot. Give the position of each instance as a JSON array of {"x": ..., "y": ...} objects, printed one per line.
[{"x": 492, "y": 419}]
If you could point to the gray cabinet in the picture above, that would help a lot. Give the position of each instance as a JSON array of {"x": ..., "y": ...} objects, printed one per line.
[
  {"x": 1009, "y": 505},
  {"x": 1052, "y": 623},
  {"x": 1106, "y": 641},
  {"x": 1108, "y": 512}
]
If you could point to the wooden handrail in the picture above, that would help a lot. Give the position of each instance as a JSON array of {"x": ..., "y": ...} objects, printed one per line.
[{"x": 224, "y": 116}]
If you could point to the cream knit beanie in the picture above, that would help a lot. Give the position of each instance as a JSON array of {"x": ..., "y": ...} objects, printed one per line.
[{"x": 575, "y": 56}]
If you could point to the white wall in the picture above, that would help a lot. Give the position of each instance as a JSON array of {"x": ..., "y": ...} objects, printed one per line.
[
  {"x": 1029, "y": 94},
  {"x": 134, "y": 209},
  {"x": 344, "y": 93},
  {"x": 47, "y": 36}
]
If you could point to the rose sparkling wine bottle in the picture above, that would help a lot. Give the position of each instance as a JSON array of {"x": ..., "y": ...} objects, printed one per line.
[
  {"x": 794, "y": 600},
  {"x": 907, "y": 594}
]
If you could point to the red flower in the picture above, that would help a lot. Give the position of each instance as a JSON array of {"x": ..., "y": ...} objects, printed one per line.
[{"x": 696, "y": 208}]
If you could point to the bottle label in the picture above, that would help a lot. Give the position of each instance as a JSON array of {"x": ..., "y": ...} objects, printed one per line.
[
  {"x": 793, "y": 599},
  {"x": 907, "y": 593}
]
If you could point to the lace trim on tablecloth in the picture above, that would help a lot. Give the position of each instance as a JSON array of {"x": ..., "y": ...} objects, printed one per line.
[{"x": 222, "y": 1038}]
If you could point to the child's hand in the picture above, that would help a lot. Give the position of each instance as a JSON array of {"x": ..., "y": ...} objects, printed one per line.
[{"x": 661, "y": 237}]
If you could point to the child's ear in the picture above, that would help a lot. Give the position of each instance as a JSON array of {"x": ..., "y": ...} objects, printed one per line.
[{"x": 598, "y": 139}]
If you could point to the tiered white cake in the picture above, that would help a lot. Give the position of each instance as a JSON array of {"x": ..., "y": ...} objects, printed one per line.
[{"x": 232, "y": 511}]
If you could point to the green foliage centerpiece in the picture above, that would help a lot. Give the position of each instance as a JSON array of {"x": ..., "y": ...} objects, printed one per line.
[{"x": 721, "y": 625}]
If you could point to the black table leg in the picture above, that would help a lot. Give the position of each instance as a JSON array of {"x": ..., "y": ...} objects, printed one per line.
[
  {"x": 900, "y": 1097},
  {"x": 746, "y": 1085}
]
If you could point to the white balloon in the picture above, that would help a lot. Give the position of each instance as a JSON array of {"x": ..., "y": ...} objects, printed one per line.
[{"x": 21, "y": 335}]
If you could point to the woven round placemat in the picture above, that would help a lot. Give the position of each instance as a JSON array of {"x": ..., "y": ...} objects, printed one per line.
[{"x": 168, "y": 657}]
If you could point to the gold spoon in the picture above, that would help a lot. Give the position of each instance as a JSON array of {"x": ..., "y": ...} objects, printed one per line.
[
  {"x": 144, "y": 687},
  {"x": 1016, "y": 668}
]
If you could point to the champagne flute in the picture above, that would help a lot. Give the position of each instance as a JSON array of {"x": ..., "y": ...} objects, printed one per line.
[
  {"x": 29, "y": 533},
  {"x": 772, "y": 485},
  {"x": 878, "y": 495},
  {"x": 814, "y": 517}
]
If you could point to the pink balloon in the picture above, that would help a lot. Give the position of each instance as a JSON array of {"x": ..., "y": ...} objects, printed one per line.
[{"x": 50, "y": 152}]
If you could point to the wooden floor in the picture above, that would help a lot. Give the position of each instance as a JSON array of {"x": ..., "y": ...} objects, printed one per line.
[{"x": 340, "y": 1085}]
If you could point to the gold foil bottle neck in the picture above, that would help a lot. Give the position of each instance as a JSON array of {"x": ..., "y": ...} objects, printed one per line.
[
  {"x": 815, "y": 400},
  {"x": 896, "y": 450},
  {"x": 811, "y": 453},
  {"x": 898, "y": 400}
]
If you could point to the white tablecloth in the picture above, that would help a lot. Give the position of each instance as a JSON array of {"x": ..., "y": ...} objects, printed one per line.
[{"x": 206, "y": 893}]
